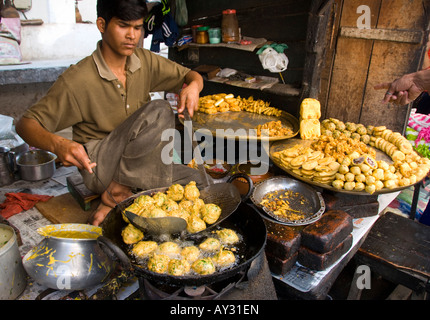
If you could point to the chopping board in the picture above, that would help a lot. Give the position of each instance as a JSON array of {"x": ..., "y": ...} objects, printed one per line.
[{"x": 65, "y": 209}]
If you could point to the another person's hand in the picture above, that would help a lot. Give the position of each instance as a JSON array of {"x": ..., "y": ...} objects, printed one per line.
[{"x": 405, "y": 89}]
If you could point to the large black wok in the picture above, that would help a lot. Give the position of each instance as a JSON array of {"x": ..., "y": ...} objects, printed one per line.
[{"x": 245, "y": 221}]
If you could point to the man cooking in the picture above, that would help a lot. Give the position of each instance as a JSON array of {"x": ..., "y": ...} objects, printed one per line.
[{"x": 106, "y": 99}]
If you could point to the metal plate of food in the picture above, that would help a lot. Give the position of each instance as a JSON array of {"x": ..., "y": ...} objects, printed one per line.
[
  {"x": 282, "y": 145},
  {"x": 288, "y": 201},
  {"x": 237, "y": 124}
]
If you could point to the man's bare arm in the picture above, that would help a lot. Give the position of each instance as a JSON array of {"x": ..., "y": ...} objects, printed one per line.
[{"x": 69, "y": 152}]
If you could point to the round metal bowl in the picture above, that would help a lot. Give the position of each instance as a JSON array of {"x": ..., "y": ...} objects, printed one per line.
[
  {"x": 300, "y": 196},
  {"x": 36, "y": 165}
]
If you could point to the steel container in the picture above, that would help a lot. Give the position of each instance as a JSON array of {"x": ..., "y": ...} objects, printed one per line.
[
  {"x": 13, "y": 278},
  {"x": 36, "y": 165},
  {"x": 68, "y": 258}
]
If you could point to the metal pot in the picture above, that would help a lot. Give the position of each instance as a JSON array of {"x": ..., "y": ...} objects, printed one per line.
[
  {"x": 36, "y": 165},
  {"x": 8, "y": 167},
  {"x": 68, "y": 258},
  {"x": 13, "y": 278}
]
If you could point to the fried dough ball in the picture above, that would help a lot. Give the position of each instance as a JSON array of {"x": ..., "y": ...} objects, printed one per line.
[
  {"x": 198, "y": 207},
  {"x": 170, "y": 205},
  {"x": 180, "y": 213},
  {"x": 169, "y": 248},
  {"x": 227, "y": 236},
  {"x": 211, "y": 213},
  {"x": 210, "y": 244},
  {"x": 191, "y": 192},
  {"x": 203, "y": 266},
  {"x": 175, "y": 192},
  {"x": 190, "y": 253},
  {"x": 159, "y": 199},
  {"x": 178, "y": 267},
  {"x": 143, "y": 249},
  {"x": 130, "y": 234},
  {"x": 186, "y": 205},
  {"x": 158, "y": 263},
  {"x": 224, "y": 258},
  {"x": 144, "y": 201},
  {"x": 134, "y": 208},
  {"x": 195, "y": 224},
  {"x": 338, "y": 184},
  {"x": 156, "y": 213}
]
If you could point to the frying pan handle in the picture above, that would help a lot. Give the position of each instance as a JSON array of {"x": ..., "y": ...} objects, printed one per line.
[
  {"x": 248, "y": 179},
  {"x": 114, "y": 252}
]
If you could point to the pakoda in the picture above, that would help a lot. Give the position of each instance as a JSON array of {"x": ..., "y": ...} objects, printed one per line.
[
  {"x": 210, "y": 244},
  {"x": 143, "y": 249},
  {"x": 228, "y": 236},
  {"x": 175, "y": 192},
  {"x": 130, "y": 234},
  {"x": 211, "y": 213},
  {"x": 203, "y": 266},
  {"x": 158, "y": 263},
  {"x": 178, "y": 267},
  {"x": 191, "y": 192}
]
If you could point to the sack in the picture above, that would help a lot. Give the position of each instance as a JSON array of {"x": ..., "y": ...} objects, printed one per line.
[{"x": 10, "y": 38}]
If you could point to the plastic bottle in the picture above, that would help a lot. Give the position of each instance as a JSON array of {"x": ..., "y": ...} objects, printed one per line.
[{"x": 230, "y": 26}]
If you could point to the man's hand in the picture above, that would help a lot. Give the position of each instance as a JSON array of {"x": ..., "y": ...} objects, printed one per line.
[
  {"x": 71, "y": 153},
  {"x": 189, "y": 95}
]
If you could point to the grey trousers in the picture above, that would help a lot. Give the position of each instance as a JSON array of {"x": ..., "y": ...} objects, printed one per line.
[{"x": 131, "y": 154}]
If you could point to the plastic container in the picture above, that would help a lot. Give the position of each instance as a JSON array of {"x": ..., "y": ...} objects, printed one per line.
[
  {"x": 202, "y": 35},
  {"x": 214, "y": 35},
  {"x": 230, "y": 26}
]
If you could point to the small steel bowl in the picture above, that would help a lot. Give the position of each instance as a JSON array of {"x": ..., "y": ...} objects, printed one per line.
[
  {"x": 313, "y": 208},
  {"x": 35, "y": 165}
]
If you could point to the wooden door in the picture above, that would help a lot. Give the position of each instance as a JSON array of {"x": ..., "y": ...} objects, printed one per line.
[{"x": 377, "y": 41}]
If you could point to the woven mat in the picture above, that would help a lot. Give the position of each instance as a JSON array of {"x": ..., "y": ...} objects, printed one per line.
[{"x": 65, "y": 209}]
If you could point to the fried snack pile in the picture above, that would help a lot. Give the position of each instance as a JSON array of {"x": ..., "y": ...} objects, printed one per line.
[
  {"x": 278, "y": 202},
  {"x": 343, "y": 158},
  {"x": 177, "y": 201},
  {"x": 221, "y": 102},
  {"x": 215, "y": 252},
  {"x": 274, "y": 129}
]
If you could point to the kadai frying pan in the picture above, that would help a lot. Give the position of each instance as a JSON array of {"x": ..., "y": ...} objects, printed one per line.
[{"x": 246, "y": 221}]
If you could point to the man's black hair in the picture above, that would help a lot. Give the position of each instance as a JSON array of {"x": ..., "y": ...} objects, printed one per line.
[{"x": 126, "y": 10}]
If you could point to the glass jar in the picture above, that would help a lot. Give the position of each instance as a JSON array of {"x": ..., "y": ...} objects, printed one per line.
[
  {"x": 214, "y": 35},
  {"x": 230, "y": 26},
  {"x": 194, "y": 31}
]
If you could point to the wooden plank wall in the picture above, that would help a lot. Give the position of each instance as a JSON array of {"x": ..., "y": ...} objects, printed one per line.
[{"x": 360, "y": 62}]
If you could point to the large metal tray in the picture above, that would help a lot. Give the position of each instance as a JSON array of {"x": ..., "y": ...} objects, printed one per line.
[
  {"x": 313, "y": 207},
  {"x": 281, "y": 145},
  {"x": 228, "y": 124}
]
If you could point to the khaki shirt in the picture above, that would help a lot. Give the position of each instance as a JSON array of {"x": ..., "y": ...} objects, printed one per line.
[{"x": 89, "y": 97}]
